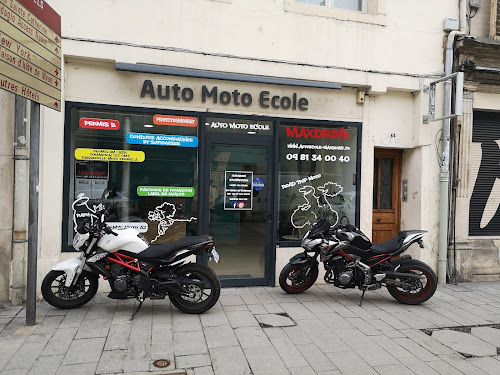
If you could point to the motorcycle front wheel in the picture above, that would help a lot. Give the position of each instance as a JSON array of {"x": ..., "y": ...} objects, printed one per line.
[
  {"x": 58, "y": 295},
  {"x": 203, "y": 294},
  {"x": 420, "y": 290},
  {"x": 297, "y": 278}
]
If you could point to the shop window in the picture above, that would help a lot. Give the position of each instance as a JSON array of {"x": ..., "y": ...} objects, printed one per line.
[
  {"x": 355, "y": 5},
  {"x": 317, "y": 176},
  {"x": 142, "y": 166}
]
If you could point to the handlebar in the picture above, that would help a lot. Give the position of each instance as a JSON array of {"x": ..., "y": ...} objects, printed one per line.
[{"x": 108, "y": 230}]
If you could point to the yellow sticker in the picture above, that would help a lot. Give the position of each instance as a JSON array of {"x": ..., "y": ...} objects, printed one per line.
[{"x": 109, "y": 155}]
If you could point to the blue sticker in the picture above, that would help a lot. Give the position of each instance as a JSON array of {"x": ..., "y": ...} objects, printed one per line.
[
  {"x": 161, "y": 140},
  {"x": 258, "y": 184}
]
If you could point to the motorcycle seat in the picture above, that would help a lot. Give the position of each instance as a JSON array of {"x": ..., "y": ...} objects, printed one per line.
[
  {"x": 164, "y": 250},
  {"x": 391, "y": 245}
]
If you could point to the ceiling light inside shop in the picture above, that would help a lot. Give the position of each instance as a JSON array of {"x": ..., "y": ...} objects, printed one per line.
[
  {"x": 252, "y": 132},
  {"x": 148, "y": 126}
]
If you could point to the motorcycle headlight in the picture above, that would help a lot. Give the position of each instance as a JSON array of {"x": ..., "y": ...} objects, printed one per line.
[{"x": 79, "y": 240}]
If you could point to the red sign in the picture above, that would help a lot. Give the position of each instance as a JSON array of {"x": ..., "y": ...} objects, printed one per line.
[
  {"x": 175, "y": 120},
  {"x": 44, "y": 13},
  {"x": 317, "y": 133},
  {"x": 95, "y": 123}
]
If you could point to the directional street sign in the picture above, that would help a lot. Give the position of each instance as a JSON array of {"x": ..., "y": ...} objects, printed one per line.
[{"x": 30, "y": 51}]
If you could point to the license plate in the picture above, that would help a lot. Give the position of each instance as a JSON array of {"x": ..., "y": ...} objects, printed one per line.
[{"x": 215, "y": 255}]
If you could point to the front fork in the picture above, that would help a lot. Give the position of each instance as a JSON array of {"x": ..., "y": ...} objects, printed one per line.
[{"x": 83, "y": 260}]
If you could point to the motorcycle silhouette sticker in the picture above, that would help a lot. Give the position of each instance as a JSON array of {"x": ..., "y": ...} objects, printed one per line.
[
  {"x": 317, "y": 201},
  {"x": 82, "y": 210},
  {"x": 164, "y": 215}
]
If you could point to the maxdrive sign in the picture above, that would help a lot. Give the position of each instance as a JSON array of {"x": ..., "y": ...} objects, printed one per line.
[{"x": 161, "y": 140}]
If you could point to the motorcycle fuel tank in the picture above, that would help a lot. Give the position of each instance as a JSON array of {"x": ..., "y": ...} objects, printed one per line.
[{"x": 127, "y": 239}]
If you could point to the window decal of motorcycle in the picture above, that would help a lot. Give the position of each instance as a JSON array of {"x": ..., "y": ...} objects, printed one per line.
[
  {"x": 305, "y": 214},
  {"x": 165, "y": 218},
  {"x": 82, "y": 210}
]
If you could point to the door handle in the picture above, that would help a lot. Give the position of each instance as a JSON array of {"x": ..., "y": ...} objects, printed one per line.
[{"x": 378, "y": 220}]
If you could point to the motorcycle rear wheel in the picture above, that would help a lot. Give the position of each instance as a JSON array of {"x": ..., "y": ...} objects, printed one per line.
[
  {"x": 58, "y": 295},
  {"x": 293, "y": 278},
  {"x": 422, "y": 289},
  {"x": 201, "y": 298}
]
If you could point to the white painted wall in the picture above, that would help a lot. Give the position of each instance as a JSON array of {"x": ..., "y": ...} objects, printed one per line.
[{"x": 383, "y": 55}]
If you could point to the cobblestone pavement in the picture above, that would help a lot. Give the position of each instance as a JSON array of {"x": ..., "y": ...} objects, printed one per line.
[{"x": 262, "y": 330}]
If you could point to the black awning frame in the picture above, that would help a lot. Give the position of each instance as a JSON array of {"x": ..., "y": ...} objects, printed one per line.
[{"x": 195, "y": 73}]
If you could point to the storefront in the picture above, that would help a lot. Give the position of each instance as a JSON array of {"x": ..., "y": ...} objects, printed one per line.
[{"x": 169, "y": 169}]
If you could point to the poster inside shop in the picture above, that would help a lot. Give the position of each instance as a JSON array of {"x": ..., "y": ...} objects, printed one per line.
[
  {"x": 91, "y": 178},
  {"x": 317, "y": 174},
  {"x": 95, "y": 170},
  {"x": 238, "y": 191}
]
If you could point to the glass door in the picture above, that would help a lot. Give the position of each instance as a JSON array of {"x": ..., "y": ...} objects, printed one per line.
[{"x": 240, "y": 209}]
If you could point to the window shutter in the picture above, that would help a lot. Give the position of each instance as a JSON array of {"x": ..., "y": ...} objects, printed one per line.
[
  {"x": 495, "y": 20},
  {"x": 484, "y": 204}
]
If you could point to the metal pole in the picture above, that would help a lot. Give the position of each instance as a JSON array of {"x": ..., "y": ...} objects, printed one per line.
[
  {"x": 33, "y": 214},
  {"x": 444, "y": 175}
]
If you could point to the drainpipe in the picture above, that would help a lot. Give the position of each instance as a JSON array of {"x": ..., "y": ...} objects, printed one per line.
[
  {"x": 444, "y": 175},
  {"x": 20, "y": 222}
]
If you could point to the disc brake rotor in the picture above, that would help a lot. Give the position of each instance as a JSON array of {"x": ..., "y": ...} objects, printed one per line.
[
  {"x": 195, "y": 293},
  {"x": 68, "y": 293},
  {"x": 416, "y": 285},
  {"x": 297, "y": 276}
]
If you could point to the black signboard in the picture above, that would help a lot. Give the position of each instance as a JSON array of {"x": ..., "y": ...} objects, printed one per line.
[
  {"x": 95, "y": 170},
  {"x": 238, "y": 192}
]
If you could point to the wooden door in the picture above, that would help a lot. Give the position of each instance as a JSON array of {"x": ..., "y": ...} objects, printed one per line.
[{"x": 386, "y": 194}]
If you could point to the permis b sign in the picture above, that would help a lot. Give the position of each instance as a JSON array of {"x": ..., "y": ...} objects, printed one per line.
[
  {"x": 165, "y": 191},
  {"x": 96, "y": 123},
  {"x": 109, "y": 155}
]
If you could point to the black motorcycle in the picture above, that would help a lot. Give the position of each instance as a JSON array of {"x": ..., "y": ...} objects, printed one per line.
[
  {"x": 133, "y": 268},
  {"x": 351, "y": 260}
]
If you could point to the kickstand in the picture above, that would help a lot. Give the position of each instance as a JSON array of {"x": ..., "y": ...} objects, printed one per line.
[
  {"x": 136, "y": 310},
  {"x": 362, "y": 296}
]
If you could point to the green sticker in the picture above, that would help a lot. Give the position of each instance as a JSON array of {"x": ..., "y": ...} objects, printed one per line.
[{"x": 165, "y": 191}]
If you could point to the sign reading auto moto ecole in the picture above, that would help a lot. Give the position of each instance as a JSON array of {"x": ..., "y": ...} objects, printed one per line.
[{"x": 30, "y": 51}]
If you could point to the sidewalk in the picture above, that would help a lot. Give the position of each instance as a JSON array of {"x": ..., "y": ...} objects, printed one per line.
[{"x": 262, "y": 330}]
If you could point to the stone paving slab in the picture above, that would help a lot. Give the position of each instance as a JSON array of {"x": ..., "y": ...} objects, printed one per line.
[
  {"x": 262, "y": 330},
  {"x": 465, "y": 343},
  {"x": 274, "y": 320}
]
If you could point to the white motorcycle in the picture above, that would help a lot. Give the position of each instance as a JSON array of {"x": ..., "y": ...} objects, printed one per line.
[{"x": 134, "y": 269}]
